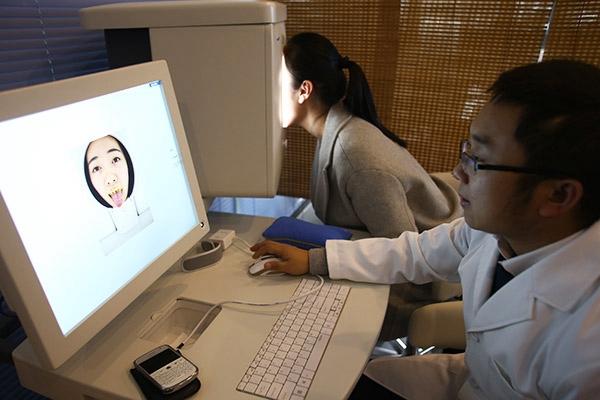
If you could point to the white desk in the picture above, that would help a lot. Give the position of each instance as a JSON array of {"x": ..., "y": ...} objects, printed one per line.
[{"x": 224, "y": 351}]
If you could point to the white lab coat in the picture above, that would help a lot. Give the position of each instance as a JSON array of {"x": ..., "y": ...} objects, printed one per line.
[{"x": 537, "y": 337}]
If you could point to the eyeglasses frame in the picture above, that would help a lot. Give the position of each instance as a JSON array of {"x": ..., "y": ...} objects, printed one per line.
[{"x": 466, "y": 158}]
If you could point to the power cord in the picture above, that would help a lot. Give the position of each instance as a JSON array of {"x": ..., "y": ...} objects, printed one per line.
[
  {"x": 209, "y": 252},
  {"x": 199, "y": 324},
  {"x": 227, "y": 237}
]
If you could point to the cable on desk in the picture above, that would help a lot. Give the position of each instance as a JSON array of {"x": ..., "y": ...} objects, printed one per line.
[
  {"x": 247, "y": 303},
  {"x": 248, "y": 245}
]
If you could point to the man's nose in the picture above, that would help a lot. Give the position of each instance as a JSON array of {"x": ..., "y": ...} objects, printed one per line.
[{"x": 459, "y": 173}]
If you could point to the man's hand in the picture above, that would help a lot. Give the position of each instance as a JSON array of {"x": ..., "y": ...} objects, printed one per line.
[{"x": 295, "y": 260}]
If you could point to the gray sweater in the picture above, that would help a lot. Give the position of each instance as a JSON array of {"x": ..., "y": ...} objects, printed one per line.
[{"x": 362, "y": 180}]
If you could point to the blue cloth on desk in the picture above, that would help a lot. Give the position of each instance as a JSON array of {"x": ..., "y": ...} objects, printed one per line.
[{"x": 303, "y": 234}]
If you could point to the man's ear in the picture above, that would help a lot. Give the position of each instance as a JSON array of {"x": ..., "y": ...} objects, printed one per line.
[
  {"x": 305, "y": 91},
  {"x": 563, "y": 195}
]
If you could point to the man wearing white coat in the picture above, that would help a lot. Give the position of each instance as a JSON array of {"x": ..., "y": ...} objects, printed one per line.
[{"x": 529, "y": 186}]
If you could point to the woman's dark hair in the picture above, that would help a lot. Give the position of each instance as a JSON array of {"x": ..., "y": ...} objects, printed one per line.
[
  {"x": 559, "y": 128},
  {"x": 310, "y": 56},
  {"x": 89, "y": 181}
]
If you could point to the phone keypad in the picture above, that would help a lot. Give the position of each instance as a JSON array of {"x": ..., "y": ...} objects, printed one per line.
[{"x": 175, "y": 371}]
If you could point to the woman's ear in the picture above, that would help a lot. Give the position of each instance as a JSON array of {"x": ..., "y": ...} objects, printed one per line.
[
  {"x": 563, "y": 195},
  {"x": 305, "y": 91}
]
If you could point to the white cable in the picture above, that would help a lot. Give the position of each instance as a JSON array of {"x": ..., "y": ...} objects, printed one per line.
[
  {"x": 247, "y": 250},
  {"x": 247, "y": 303}
]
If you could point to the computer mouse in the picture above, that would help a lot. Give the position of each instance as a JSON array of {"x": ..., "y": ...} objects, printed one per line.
[{"x": 258, "y": 266}]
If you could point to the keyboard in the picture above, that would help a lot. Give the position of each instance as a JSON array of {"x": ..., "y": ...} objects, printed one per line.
[{"x": 290, "y": 355}]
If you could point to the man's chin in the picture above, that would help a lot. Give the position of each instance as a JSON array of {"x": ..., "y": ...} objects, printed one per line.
[{"x": 470, "y": 220}]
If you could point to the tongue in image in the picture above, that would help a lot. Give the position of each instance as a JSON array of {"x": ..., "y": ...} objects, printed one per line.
[{"x": 117, "y": 196}]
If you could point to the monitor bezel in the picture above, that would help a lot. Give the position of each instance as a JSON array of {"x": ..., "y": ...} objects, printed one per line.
[{"x": 18, "y": 281}]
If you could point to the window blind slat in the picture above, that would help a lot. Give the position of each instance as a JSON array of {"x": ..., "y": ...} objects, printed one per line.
[{"x": 42, "y": 40}]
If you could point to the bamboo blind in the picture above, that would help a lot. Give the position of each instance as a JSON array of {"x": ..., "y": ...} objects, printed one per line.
[{"x": 430, "y": 62}]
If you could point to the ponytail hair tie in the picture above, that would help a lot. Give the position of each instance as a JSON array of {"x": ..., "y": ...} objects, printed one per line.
[{"x": 344, "y": 62}]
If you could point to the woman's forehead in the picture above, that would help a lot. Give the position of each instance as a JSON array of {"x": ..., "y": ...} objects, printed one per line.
[{"x": 103, "y": 145}]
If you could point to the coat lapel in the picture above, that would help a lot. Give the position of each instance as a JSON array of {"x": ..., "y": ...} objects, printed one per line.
[
  {"x": 336, "y": 120},
  {"x": 511, "y": 304}
]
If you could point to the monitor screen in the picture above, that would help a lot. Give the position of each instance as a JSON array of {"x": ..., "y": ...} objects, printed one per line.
[{"x": 99, "y": 198}]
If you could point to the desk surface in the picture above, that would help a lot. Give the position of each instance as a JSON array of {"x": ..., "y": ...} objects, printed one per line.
[{"x": 226, "y": 348}]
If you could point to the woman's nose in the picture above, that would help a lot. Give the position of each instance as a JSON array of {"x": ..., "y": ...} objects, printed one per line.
[{"x": 110, "y": 179}]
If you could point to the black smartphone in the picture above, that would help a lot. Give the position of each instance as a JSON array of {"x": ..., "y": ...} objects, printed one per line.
[{"x": 166, "y": 368}]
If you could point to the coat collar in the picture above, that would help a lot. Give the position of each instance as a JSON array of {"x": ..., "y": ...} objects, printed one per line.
[
  {"x": 337, "y": 118},
  {"x": 560, "y": 276}
]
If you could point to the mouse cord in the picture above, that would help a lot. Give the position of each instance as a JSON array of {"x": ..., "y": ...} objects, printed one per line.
[
  {"x": 247, "y": 303},
  {"x": 245, "y": 249}
]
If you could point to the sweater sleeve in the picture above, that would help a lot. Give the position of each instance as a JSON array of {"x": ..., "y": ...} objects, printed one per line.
[
  {"x": 317, "y": 261},
  {"x": 380, "y": 202}
]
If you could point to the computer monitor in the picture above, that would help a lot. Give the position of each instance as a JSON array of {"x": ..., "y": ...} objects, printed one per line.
[{"x": 98, "y": 199}]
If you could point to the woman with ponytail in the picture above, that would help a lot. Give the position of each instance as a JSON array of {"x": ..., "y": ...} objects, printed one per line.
[{"x": 363, "y": 176}]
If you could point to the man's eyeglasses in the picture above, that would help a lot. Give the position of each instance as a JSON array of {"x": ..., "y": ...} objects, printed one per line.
[{"x": 470, "y": 166}]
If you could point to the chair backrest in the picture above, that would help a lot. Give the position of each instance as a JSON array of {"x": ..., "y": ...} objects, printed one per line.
[{"x": 440, "y": 324}]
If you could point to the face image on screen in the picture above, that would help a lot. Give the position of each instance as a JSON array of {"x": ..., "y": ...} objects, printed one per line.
[
  {"x": 97, "y": 191},
  {"x": 110, "y": 176}
]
